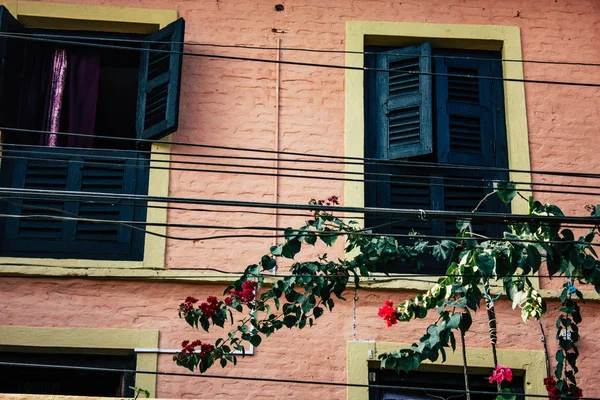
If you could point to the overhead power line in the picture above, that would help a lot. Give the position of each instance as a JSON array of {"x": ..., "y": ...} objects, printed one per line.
[
  {"x": 415, "y": 214},
  {"x": 426, "y": 182},
  {"x": 298, "y": 49},
  {"x": 275, "y": 380},
  {"x": 328, "y": 159},
  {"x": 480, "y": 183},
  {"x": 298, "y": 63}
]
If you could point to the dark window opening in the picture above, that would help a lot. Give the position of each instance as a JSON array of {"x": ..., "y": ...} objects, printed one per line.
[
  {"x": 59, "y": 84},
  {"x": 450, "y": 118},
  {"x": 423, "y": 380},
  {"x": 38, "y": 380},
  {"x": 115, "y": 88}
]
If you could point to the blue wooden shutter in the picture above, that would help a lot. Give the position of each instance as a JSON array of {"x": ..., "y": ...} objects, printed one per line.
[
  {"x": 470, "y": 130},
  {"x": 404, "y": 102},
  {"x": 465, "y": 123},
  {"x": 62, "y": 169},
  {"x": 160, "y": 82}
]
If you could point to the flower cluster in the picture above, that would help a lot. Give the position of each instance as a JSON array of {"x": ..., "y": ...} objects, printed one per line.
[
  {"x": 501, "y": 374},
  {"x": 210, "y": 307},
  {"x": 189, "y": 348},
  {"x": 388, "y": 313},
  {"x": 245, "y": 296},
  {"x": 553, "y": 391},
  {"x": 331, "y": 201},
  {"x": 187, "y": 305}
]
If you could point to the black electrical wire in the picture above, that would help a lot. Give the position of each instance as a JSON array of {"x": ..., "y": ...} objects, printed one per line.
[
  {"x": 297, "y": 63},
  {"x": 299, "y": 49},
  {"x": 27, "y": 155},
  {"x": 415, "y": 214},
  {"x": 355, "y": 160},
  {"x": 276, "y": 380},
  {"x": 133, "y": 225},
  {"x": 254, "y": 173}
]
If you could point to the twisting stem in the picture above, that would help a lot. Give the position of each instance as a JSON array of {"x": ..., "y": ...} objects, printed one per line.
[
  {"x": 548, "y": 371},
  {"x": 491, "y": 313},
  {"x": 464, "y": 354}
]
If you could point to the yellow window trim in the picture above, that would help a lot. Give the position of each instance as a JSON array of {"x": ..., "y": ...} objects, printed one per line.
[
  {"x": 473, "y": 37},
  {"x": 359, "y": 354},
  {"x": 106, "y": 19},
  {"x": 97, "y": 341}
]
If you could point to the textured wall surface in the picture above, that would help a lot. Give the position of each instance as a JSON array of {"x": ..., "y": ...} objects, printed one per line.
[{"x": 234, "y": 103}]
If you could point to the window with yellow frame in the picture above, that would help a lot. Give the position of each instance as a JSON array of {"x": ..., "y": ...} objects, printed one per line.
[
  {"x": 89, "y": 40},
  {"x": 362, "y": 368},
  {"x": 502, "y": 39}
]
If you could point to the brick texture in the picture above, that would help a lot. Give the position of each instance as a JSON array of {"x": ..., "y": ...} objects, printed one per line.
[{"x": 233, "y": 103}]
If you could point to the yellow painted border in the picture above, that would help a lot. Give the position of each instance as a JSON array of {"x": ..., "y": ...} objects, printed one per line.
[
  {"x": 89, "y": 339},
  {"x": 507, "y": 39},
  {"x": 359, "y": 354},
  {"x": 108, "y": 19}
]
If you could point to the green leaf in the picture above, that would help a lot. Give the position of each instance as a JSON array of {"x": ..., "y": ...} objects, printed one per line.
[
  {"x": 506, "y": 191},
  {"x": 268, "y": 263},
  {"x": 255, "y": 340},
  {"x": 290, "y": 321},
  {"x": 291, "y": 248},
  {"x": 290, "y": 233},
  {"x": 310, "y": 238},
  {"x": 276, "y": 250},
  {"x": 485, "y": 263},
  {"x": 329, "y": 237},
  {"x": 317, "y": 312},
  {"x": 462, "y": 224},
  {"x": 223, "y": 362},
  {"x": 465, "y": 322}
]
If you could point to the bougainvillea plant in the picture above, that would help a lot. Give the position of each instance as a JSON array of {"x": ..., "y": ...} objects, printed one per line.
[{"x": 295, "y": 301}]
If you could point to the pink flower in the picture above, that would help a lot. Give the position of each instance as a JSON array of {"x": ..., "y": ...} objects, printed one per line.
[
  {"x": 388, "y": 313},
  {"x": 501, "y": 374}
]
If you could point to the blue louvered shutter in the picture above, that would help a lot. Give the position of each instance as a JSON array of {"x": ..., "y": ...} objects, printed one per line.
[
  {"x": 59, "y": 169},
  {"x": 404, "y": 102},
  {"x": 159, "y": 83},
  {"x": 470, "y": 130}
]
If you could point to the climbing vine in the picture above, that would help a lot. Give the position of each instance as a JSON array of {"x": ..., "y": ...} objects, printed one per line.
[{"x": 256, "y": 312}]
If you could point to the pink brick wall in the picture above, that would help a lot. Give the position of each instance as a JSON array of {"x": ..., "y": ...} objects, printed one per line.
[{"x": 233, "y": 103}]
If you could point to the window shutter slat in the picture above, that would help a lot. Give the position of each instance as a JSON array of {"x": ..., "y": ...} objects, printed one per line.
[
  {"x": 405, "y": 102},
  {"x": 74, "y": 170},
  {"x": 160, "y": 82},
  {"x": 465, "y": 124}
]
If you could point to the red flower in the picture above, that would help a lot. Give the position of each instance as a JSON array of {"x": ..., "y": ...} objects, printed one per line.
[
  {"x": 228, "y": 301},
  {"x": 190, "y": 348},
  {"x": 388, "y": 313},
  {"x": 210, "y": 307},
  {"x": 247, "y": 294},
  {"x": 501, "y": 374}
]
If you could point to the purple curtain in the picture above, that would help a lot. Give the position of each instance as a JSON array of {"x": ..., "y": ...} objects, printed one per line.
[
  {"x": 59, "y": 77},
  {"x": 60, "y": 95},
  {"x": 84, "y": 75}
]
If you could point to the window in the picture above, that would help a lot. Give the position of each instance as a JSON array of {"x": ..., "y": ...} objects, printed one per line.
[
  {"x": 433, "y": 108},
  {"x": 107, "y": 348},
  {"x": 529, "y": 368},
  {"x": 105, "y": 92},
  {"x": 28, "y": 380},
  {"x": 450, "y": 381}
]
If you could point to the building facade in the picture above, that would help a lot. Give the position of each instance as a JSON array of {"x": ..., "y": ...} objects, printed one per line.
[{"x": 180, "y": 121}]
